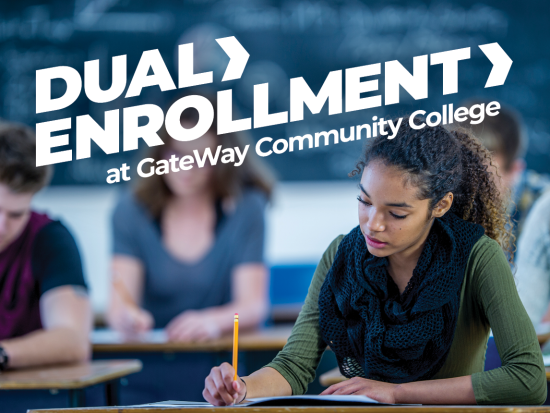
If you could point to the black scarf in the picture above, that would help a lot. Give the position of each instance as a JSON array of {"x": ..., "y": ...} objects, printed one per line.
[{"x": 379, "y": 334}]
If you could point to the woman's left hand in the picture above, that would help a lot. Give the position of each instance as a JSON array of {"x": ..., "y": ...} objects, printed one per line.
[
  {"x": 192, "y": 325},
  {"x": 377, "y": 390}
]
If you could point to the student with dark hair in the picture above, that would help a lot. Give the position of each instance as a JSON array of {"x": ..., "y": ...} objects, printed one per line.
[
  {"x": 533, "y": 263},
  {"x": 45, "y": 314},
  {"x": 188, "y": 245},
  {"x": 407, "y": 298},
  {"x": 504, "y": 136}
]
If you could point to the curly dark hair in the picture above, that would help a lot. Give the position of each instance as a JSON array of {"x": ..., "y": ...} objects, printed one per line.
[{"x": 439, "y": 161}]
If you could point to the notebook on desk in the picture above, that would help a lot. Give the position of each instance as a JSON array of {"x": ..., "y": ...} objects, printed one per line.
[{"x": 305, "y": 400}]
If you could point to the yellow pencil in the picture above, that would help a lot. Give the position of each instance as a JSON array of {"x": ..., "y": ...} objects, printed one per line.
[{"x": 235, "y": 344}]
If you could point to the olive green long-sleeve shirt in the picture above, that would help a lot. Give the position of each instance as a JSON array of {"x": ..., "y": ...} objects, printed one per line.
[{"x": 489, "y": 299}]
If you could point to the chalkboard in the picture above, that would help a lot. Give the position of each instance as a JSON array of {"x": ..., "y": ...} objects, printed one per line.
[{"x": 285, "y": 39}]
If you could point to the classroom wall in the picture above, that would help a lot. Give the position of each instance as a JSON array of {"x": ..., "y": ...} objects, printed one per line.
[{"x": 301, "y": 221}]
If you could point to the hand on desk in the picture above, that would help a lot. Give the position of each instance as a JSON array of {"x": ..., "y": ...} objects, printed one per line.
[
  {"x": 220, "y": 389},
  {"x": 377, "y": 390},
  {"x": 193, "y": 325}
]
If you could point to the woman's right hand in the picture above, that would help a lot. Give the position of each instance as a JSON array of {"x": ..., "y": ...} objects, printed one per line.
[
  {"x": 220, "y": 389},
  {"x": 131, "y": 320}
]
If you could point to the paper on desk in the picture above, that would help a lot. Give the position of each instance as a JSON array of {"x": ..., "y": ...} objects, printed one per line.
[
  {"x": 280, "y": 401},
  {"x": 107, "y": 336}
]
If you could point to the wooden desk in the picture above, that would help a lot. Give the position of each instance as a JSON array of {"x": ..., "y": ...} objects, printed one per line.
[
  {"x": 72, "y": 377},
  {"x": 272, "y": 338},
  {"x": 305, "y": 409}
]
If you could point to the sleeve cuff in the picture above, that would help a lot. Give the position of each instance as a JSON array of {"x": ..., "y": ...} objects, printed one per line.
[
  {"x": 479, "y": 393},
  {"x": 294, "y": 384}
]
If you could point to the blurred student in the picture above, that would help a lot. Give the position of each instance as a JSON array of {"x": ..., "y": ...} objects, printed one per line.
[
  {"x": 504, "y": 137},
  {"x": 533, "y": 262},
  {"x": 45, "y": 314},
  {"x": 188, "y": 245}
]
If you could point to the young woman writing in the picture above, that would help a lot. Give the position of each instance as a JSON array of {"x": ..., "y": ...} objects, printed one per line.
[{"x": 407, "y": 298}]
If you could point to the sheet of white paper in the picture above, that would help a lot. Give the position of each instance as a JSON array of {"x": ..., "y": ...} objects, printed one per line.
[{"x": 106, "y": 336}]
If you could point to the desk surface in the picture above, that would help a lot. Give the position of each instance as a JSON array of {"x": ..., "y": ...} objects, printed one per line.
[
  {"x": 306, "y": 409},
  {"x": 70, "y": 376},
  {"x": 273, "y": 338}
]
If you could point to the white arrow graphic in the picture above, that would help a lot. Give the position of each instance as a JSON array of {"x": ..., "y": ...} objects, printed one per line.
[
  {"x": 501, "y": 64},
  {"x": 238, "y": 57}
]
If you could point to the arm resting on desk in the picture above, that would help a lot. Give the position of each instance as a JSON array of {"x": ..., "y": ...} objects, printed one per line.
[
  {"x": 67, "y": 319},
  {"x": 456, "y": 390},
  {"x": 522, "y": 378}
]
